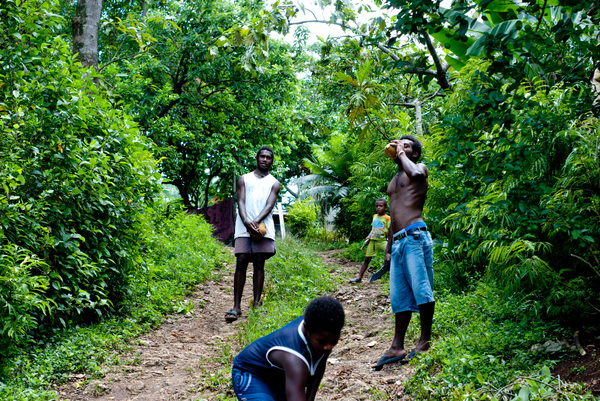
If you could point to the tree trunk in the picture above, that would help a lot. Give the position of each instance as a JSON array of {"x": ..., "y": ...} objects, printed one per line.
[
  {"x": 86, "y": 22},
  {"x": 144, "y": 6},
  {"x": 419, "y": 118}
]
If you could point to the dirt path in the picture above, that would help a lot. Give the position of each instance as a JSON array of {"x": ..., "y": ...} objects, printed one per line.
[{"x": 189, "y": 356}]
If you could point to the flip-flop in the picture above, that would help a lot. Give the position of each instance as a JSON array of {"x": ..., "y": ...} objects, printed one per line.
[
  {"x": 355, "y": 280},
  {"x": 232, "y": 315},
  {"x": 384, "y": 360}
]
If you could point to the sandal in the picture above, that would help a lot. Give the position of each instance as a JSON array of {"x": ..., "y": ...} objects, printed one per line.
[{"x": 232, "y": 315}]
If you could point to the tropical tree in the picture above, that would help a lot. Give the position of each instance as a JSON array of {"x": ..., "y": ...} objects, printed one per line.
[
  {"x": 198, "y": 99},
  {"x": 513, "y": 131}
]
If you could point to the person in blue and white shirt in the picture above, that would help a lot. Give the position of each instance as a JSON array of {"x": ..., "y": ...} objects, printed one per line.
[{"x": 289, "y": 363}]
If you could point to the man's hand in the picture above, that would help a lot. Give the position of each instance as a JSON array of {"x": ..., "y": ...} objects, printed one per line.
[
  {"x": 253, "y": 229},
  {"x": 399, "y": 151}
]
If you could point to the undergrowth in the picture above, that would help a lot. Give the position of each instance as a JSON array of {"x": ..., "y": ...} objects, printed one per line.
[
  {"x": 354, "y": 252},
  {"x": 482, "y": 346},
  {"x": 482, "y": 350},
  {"x": 179, "y": 253}
]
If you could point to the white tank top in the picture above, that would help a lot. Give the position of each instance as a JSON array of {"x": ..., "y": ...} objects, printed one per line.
[{"x": 257, "y": 193}]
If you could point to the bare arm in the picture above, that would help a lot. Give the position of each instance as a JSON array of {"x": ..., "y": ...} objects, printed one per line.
[
  {"x": 296, "y": 374},
  {"x": 315, "y": 381},
  {"x": 388, "y": 248},
  {"x": 413, "y": 171},
  {"x": 241, "y": 195}
]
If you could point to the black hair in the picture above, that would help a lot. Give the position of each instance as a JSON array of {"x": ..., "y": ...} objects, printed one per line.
[
  {"x": 382, "y": 200},
  {"x": 416, "y": 145},
  {"x": 324, "y": 314},
  {"x": 268, "y": 149}
]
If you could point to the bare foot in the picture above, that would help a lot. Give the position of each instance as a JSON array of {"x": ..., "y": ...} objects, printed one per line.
[{"x": 422, "y": 346}]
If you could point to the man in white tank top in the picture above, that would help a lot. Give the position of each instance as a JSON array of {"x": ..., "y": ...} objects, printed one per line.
[{"x": 257, "y": 193}]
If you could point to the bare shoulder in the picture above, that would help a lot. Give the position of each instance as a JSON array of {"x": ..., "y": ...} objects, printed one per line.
[
  {"x": 423, "y": 167},
  {"x": 276, "y": 185}
]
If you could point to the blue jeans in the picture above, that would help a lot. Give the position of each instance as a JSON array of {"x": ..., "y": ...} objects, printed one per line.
[
  {"x": 248, "y": 387},
  {"x": 411, "y": 274}
]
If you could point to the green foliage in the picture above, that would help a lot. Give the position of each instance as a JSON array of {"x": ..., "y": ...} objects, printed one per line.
[
  {"x": 354, "y": 252},
  {"x": 517, "y": 220},
  {"x": 201, "y": 103},
  {"x": 21, "y": 297},
  {"x": 294, "y": 276},
  {"x": 303, "y": 216},
  {"x": 482, "y": 342},
  {"x": 322, "y": 239},
  {"x": 179, "y": 253},
  {"x": 542, "y": 386},
  {"x": 305, "y": 221},
  {"x": 74, "y": 171}
]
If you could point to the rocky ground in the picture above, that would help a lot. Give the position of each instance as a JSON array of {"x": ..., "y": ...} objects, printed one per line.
[{"x": 189, "y": 357}]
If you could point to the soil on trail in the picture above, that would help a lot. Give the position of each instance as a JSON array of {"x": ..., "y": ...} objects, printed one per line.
[
  {"x": 189, "y": 356},
  {"x": 584, "y": 368}
]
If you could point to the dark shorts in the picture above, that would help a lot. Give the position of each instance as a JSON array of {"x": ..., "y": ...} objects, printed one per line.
[{"x": 263, "y": 246}]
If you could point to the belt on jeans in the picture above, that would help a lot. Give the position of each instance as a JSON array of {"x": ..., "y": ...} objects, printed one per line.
[{"x": 409, "y": 232}]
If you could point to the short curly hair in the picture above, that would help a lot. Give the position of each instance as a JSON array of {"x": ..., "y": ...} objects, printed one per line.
[
  {"x": 324, "y": 314},
  {"x": 268, "y": 149},
  {"x": 416, "y": 145},
  {"x": 382, "y": 200}
]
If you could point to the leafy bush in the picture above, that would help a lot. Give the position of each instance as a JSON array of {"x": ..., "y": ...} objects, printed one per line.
[
  {"x": 321, "y": 238},
  {"x": 482, "y": 341},
  {"x": 75, "y": 173},
  {"x": 302, "y": 217},
  {"x": 526, "y": 215},
  {"x": 178, "y": 252},
  {"x": 21, "y": 296}
]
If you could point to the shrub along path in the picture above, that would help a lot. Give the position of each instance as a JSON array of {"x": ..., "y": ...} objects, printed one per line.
[{"x": 189, "y": 356}]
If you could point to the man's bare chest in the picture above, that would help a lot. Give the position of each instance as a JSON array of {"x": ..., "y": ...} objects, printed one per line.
[{"x": 398, "y": 183}]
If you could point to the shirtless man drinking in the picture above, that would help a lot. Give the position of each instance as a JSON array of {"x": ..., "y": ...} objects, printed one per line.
[{"x": 410, "y": 251}]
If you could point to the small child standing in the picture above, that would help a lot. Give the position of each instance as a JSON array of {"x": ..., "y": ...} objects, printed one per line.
[{"x": 377, "y": 238}]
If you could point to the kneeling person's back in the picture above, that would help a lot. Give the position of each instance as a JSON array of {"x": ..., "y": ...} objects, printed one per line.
[{"x": 289, "y": 363}]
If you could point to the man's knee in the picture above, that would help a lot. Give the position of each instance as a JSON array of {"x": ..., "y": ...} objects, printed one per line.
[{"x": 242, "y": 260}]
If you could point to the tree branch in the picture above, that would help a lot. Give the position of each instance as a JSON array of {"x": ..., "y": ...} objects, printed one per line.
[
  {"x": 376, "y": 126},
  {"x": 321, "y": 21},
  {"x": 424, "y": 71},
  {"x": 440, "y": 69},
  {"x": 541, "y": 15},
  {"x": 114, "y": 60}
]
